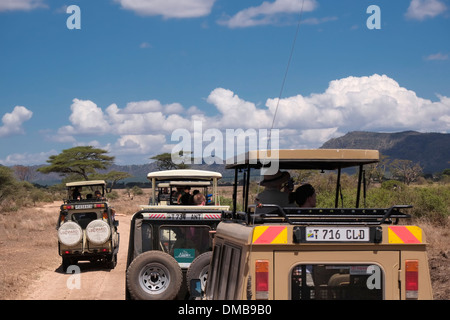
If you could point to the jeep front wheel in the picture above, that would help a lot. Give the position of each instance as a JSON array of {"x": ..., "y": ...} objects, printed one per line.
[{"x": 154, "y": 275}]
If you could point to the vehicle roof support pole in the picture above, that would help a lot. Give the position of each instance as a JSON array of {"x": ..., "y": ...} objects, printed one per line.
[
  {"x": 153, "y": 191},
  {"x": 244, "y": 190},
  {"x": 358, "y": 192},
  {"x": 235, "y": 191},
  {"x": 247, "y": 188},
  {"x": 338, "y": 187},
  {"x": 215, "y": 192}
]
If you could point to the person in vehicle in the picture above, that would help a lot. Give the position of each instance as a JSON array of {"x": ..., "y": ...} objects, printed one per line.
[
  {"x": 272, "y": 193},
  {"x": 76, "y": 195},
  {"x": 305, "y": 196},
  {"x": 98, "y": 195},
  {"x": 199, "y": 200},
  {"x": 186, "y": 197}
]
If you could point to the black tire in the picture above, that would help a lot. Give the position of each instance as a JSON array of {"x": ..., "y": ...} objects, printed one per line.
[
  {"x": 66, "y": 262},
  {"x": 111, "y": 261},
  {"x": 154, "y": 275},
  {"x": 199, "y": 269}
]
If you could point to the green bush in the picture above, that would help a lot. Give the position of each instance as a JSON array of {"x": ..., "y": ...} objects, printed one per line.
[{"x": 430, "y": 201}]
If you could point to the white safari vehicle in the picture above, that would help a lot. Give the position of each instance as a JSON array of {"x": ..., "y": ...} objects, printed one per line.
[
  {"x": 171, "y": 243},
  {"x": 345, "y": 252},
  {"x": 86, "y": 226}
]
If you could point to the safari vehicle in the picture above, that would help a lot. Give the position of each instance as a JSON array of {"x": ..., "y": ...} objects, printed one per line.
[
  {"x": 171, "y": 244},
  {"x": 167, "y": 191},
  {"x": 284, "y": 253},
  {"x": 86, "y": 226}
]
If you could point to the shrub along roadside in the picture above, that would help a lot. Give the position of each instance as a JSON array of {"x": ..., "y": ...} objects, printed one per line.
[{"x": 431, "y": 202}]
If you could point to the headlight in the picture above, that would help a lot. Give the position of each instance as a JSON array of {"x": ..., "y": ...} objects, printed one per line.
[
  {"x": 70, "y": 233},
  {"x": 98, "y": 232}
]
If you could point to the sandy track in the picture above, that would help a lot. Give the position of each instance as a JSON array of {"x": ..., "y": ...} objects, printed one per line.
[{"x": 94, "y": 282}]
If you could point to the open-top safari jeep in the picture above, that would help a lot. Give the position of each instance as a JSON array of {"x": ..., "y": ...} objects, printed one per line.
[
  {"x": 171, "y": 243},
  {"x": 289, "y": 252},
  {"x": 87, "y": 229}
]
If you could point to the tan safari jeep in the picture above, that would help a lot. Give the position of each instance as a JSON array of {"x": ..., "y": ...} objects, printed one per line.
[
  {"x": 284, "y": 253},
  {"x": 87, "y": 229}
]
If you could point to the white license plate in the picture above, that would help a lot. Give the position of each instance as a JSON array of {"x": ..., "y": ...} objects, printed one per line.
[
  {"x": 84, "y": 206},
  {"x": 337, "y": 234}
]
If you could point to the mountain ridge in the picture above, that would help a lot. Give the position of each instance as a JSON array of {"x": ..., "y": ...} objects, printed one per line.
[{"x": 430, "y": 150}]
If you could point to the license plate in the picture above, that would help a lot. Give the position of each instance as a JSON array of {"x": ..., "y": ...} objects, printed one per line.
[
  {"x": 337, "y": 234},
  {"x": 83, "y": 206}
]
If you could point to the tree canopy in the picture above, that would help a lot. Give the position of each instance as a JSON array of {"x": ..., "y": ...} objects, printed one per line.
[
  {"x": 7, "y": 182},
  {"x": 80, "y": 161},
  {"x": 164, "y": 162}
]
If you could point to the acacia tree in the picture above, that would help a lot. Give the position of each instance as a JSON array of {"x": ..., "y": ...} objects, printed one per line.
[
  {"x": 7, "y": 183},
  {"x": 164, "y": 162},
  {"x": 79, "y": 161},
  {"x": 405, "y": 170},
  {"x": 111, "y": 177}
]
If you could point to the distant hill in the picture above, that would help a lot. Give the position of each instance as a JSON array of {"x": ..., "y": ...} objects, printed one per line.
[{"x": 430, "y": 150}]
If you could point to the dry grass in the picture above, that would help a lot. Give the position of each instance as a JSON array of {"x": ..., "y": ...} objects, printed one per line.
[
  {"x": 29, "y": 242},
  {"x": 438, "y": 239}
]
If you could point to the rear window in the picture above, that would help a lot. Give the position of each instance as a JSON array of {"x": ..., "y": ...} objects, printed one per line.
[
  {"x": 336, "y": 282},
  {"x": 84, "y": 218},
  {"x": 185, "y": 243}
]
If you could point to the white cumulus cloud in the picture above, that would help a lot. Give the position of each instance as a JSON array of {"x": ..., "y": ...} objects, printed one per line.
[
  {"x": 12, "y": 122},
  {"x": 169, "y": 8},
  {"x": 371, "y": 103},
  {"x": 86, "y": 118},
  {"x": 423, "y": 9},
  {"x": 21, "y": 5},
  {"x": 267, "y": 13}
]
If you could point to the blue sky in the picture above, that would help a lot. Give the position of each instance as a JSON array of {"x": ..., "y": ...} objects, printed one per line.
[{"x": 138, "y": 70}]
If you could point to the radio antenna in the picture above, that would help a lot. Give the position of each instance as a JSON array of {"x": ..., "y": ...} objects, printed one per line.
[{"x": 286, "y": 72}]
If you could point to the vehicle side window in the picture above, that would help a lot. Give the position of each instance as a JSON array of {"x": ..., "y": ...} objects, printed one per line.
[
  {"x": 336, "y": 282},
  {"x": 146, "y": 237}
]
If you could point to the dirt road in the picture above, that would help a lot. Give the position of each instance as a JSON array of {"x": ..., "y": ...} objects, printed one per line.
[{"x": 94, "y": 282}]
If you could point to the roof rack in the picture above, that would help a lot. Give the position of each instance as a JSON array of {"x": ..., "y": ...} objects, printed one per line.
[{"x": 270, "y": 213}]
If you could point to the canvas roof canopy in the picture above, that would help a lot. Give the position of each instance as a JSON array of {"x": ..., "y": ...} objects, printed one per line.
[{"x": 322, "y": 159}]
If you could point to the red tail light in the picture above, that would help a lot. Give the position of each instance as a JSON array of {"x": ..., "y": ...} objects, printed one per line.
[
  {"x": 262, "y": 279},
  {"x": 412, "y": 279}
]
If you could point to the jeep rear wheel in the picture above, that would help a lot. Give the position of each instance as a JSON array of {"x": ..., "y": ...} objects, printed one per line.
[
  {"x": 199, "y": 269},
  {"x": 154, "y": 275}
]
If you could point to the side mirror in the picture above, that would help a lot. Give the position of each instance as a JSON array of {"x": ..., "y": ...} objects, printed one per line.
[{"x": 196, "y": 289}]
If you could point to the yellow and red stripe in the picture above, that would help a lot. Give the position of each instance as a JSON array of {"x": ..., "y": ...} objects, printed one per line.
[
  {"x": 270, "y": 235},
  {"x": 405, "y": 234}
]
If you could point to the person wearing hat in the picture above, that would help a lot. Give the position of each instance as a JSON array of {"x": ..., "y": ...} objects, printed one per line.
[{"x": 272, "y": 193}]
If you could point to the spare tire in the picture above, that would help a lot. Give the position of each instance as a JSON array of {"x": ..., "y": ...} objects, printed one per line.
[
  {"x": 199, "y": 269},
  {"x": 70, "y": 233},
  {"x": 98, "y": 232},
  {"x": 154, "y": 275}
]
